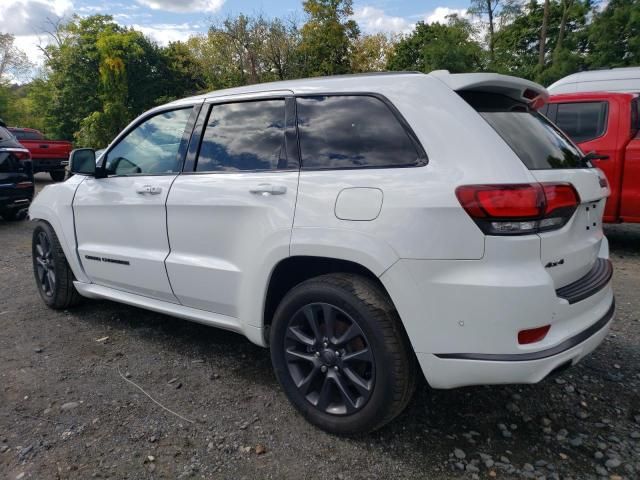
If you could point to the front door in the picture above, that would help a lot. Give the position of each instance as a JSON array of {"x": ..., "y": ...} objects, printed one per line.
[{"x": 121, "y": 222}]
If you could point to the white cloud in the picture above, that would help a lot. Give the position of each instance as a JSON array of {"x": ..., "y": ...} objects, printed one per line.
[
  {"x": 26, "y": 17},
  {"x": 165, "y": 33},
  {"x": 373, "y": 20},
  {"x": 183, "y": 6},
  {"x": 440, "y": 14}
]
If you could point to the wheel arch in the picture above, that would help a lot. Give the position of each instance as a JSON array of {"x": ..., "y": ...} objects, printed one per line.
[{"x": 293, "y": 270}]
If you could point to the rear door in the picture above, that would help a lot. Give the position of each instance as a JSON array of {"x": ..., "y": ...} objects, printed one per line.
[
  {"x": 120, "y": 220},
  {"x": 571, "y": 251},
  {"x": 593, "y": 125},
  {"x": 230, "y": 214}
]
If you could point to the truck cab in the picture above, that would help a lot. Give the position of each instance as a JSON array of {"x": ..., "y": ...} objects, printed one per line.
[{"x": 607, "y": 124}]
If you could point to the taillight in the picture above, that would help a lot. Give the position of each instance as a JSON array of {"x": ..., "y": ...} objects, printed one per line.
[
  {"x": 24, "y": 185},
  {"x": 21, "y": 154},
  {"x": 519, "y": 209}
]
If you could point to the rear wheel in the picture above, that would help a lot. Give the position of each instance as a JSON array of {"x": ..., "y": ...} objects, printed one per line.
[
  {"x": 341, "y": 355},
  {"x": 14, "y": 215},
  {"x": 53, "y": 276},
  {"x": 57, "y": 175}
]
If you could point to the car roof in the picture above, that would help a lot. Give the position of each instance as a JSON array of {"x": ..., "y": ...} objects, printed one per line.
[
  {"x": 379, "y": 82},
  {"x": 624, "y": 79}
]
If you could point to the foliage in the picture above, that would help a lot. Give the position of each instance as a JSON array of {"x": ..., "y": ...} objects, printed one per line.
[
  {"x": 326, "y": 37},
  {"x": 614, "y": 35},
  {"x": 436, "y": 46}
]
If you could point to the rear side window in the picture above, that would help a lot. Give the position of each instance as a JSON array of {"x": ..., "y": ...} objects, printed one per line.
[
  {"x": 4, "y": 134},
  {"x": 353, "y": 131},
  {"x": 538, "y": 143},
  {"x": 582, "y": 121},
  {"x": 245, "y": 136},
  {"x": 27, "y": 135}
]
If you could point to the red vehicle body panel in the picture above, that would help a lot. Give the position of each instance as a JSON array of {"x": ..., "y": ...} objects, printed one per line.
[
  {"x": 47, "y": 155},
  {"x": 621, "y": 143}
]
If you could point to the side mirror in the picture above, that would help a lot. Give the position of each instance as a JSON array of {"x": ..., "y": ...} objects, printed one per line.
[{"x": 82, "y": 161}]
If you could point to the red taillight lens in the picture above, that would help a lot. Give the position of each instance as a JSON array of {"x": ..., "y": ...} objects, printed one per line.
[
  {"x": 24, "y": 185},
  {"x": 20, "y": 153},
  {"x": 532, "y": 335},
  {"x": 520, "y": 208},
  {"x": 502, "y": 201}
]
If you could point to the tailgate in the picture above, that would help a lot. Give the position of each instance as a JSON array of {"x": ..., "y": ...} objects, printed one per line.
[
  {"x": 48, "y": 149},
  {"x": 571, "y": 252}
]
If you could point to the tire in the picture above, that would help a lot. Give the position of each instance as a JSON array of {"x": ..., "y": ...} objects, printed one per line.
[
  {"x": 57, "y": 175},
  {"x": 58, "y": 292},
  {"x": 14, "y": 215},
  {"x": 385, "y": 367}
]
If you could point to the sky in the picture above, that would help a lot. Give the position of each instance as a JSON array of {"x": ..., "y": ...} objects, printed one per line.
[{"x": 170, "y": 20}]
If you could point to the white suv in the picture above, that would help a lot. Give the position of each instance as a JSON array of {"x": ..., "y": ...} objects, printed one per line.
[{"x": 359, "y": 226}]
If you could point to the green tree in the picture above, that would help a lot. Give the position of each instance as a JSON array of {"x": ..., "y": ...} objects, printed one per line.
[
  {"x": 370, "y": 53},
  {"x": 326, "y": 37},
  {"x": 436, "y": 46},
  {"x": 614, "y": 36}
]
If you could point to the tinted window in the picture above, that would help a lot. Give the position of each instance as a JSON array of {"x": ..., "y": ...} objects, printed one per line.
[
  {"x": 27, "y": 135},
  {"x": 4, "y": 134},
  {"x": 538, "y": 143},
  {"x": 352, "y": 131},
  {"x": 151, "y": 147},
  {"x": 582, "y": 121},
  {"x": 244, "y": 136}
]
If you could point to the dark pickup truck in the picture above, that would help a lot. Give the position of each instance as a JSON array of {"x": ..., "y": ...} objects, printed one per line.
[{"x": 47, "y": 155}]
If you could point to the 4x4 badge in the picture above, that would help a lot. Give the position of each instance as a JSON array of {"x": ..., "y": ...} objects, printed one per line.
[{"x": 554, "y": 264}]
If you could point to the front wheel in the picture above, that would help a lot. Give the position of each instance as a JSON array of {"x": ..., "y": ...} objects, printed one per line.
[
  {"x": 54, "y": 278},
  {"x": 341, "y": 354}
]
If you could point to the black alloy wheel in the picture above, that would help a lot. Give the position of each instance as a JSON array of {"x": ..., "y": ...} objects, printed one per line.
[
  {"x": 44, "y": 264},
  {"x": 329, "y": 359}
]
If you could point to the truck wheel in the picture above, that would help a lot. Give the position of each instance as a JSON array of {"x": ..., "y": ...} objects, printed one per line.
[
  {"x": 57, "y": 175},
  {"x": 53, "y": 276},
  {"x": 341, "y": 355},
  {"x": 14, "y": 215}
]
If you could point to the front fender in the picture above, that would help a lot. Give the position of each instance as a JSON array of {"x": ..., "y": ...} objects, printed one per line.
[{"x": 54, "y": 204}]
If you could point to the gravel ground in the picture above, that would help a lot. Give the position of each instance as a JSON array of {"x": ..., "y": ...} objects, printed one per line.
[{"x": 68, "y": 408}]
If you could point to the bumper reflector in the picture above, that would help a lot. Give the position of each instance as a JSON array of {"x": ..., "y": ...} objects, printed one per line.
[{"x": 532, "y": 335}]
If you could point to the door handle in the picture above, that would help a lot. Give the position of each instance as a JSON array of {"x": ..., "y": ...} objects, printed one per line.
[
  {"x": 268, "y": 189},
  {"x": 149, "y": 189}
]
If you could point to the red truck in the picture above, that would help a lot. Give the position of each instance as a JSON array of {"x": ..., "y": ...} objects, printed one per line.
[
  {"x": 607, "y": 125},
  {"x": 48, "y": 155}
]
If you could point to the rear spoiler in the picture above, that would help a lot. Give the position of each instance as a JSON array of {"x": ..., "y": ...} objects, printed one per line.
[{"x": 517, "y": 88}]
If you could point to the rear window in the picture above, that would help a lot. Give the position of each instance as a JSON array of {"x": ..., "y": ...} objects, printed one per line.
[
  {"x": 536, "y": 141},
  {"x": 582, "y": 121},
  {"x": 5, "y": 134},
  {"x": 27, "y": 135}
]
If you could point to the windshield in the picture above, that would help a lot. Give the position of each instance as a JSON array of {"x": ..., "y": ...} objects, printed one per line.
[{"x": 537, "y": 142}]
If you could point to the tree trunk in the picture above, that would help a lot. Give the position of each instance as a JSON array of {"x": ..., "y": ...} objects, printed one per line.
[
  {"x": 543, "y": 34},
  {"x": 491, "y": 31},
  {"x": 563, "y": 24}
]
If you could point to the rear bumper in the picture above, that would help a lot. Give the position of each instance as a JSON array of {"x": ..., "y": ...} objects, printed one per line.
[
  {"x": 456, "y": 370},
  {"x": 463, "y": 316},
  {"x": 48, "y": 164}
]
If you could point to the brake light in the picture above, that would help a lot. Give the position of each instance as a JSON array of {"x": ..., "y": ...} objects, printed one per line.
[
  {"x": 519, "y": 209},
  {"x": 21, "y": 154},
  {"x": 24, "y": 184}
]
